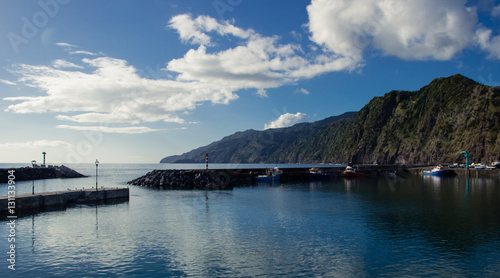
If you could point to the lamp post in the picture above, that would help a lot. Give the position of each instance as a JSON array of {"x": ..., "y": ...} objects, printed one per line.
[
  {"x": 466, "y": 159},
  {"x": 96, "y": 167},
  {"x": 467, "y": 155},
  {"x": 33, "y": 163}
]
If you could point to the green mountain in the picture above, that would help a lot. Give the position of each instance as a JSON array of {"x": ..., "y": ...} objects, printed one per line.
[
  {"x": 431, "y": 125},
  {"x": 253, "y": 146}
]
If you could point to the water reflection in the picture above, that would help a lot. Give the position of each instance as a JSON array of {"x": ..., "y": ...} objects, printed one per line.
[
  {"x": 453, "y": 217},
  {"x": 33, "y": 233},
  {"x": 366, "y": 227}
]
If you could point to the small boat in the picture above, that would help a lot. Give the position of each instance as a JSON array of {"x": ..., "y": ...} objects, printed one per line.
[
  {"x": 439, "y": 171},
  {"x": 316, "y": 174},
  {"x": 350, "y": 172},
  {"x": 479, "y": 166},
  {"x": 271, "y": 175}
]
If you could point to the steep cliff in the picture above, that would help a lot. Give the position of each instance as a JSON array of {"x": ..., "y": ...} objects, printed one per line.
[
  {"x": 253, "y": 146},
  {"x": 428, "y": 126}
]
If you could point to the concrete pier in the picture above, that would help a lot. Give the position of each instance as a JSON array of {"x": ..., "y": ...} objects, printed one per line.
[
  {"x": 227, "y": 179},
  {"x": 471, "y": 173},
  {"x": 47, "y": 200}
]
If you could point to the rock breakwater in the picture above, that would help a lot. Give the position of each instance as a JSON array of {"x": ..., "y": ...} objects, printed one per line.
[
  {"x": 188, "y": 180},
  {"x": 37, "y": 173}
]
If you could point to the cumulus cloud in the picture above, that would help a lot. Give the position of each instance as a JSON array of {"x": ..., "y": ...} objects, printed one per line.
[
  {"x": 102, "y": 89},
  {"x": 112, "y": 92},
  {"x": 257, "y": 62},
  {"x": 35, "y": 144},
  {"x": 287, "y": 120},
  {"x": 410, "y": 30},
  {"x": 109, "y": 90},
  {"x": 489, "y": 43},
  {"x": 195, "y": 30}
]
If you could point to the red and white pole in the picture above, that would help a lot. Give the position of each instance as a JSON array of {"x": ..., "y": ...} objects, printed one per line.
[{"x": 206, "y": 160}]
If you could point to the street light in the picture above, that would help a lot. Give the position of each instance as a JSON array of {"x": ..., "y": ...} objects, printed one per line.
[
  {"x": 33, "y": 163},
  {"x": 467, "y": 155},
  {"x": 96, "y": 166}
]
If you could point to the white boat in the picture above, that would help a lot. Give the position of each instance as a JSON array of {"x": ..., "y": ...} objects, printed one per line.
[
  {"x": 316, "y": 174},
  {"x": 479, "y": 166},
  {"x": 271, "y": 175},
  {"x": 439, "y": 171}
]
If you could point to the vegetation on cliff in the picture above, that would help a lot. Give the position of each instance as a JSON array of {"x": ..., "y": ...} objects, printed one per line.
[
  {"x": 428, "y": 126},
  {"x": 253, "y": 146}
]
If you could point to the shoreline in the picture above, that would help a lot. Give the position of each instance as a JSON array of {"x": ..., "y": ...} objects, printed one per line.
[{"x": 227, "y": 179}]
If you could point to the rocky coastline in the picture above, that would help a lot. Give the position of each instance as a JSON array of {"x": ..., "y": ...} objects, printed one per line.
[{"x": 37, "y": 173}]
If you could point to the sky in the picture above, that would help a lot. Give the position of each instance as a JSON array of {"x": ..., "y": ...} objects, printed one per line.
[{"x": 135, "y": 81}]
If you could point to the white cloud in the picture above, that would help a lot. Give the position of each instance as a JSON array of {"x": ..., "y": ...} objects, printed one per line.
[
  {"x": 287, "y": 120},
  {"x": 60, "y": 63},
  {"x": 496, "y": 11},
  {"x": 106, "y": 129},
  {"x": 411, "y": 30},
  {"x": 195, "y": 30},
  {"x": 113, "y": 92},
  {"x": 7, "y": 82},
  {"x": 303, "y": 91},
  {"x": 109, "y": 90},
  {"x": 69, "y": 48},
  {"x": 259, "y": 62},
  {"x": 35, "y": 144},
  {"x": 64, "y": 44},
  {"x": 262, "y": 93},
  {"x": 83, "y": 52},
  {"x": 488, "y": 42}
]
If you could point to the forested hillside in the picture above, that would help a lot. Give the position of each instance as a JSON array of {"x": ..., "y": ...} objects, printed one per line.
[{"x": 431, "y": 125}]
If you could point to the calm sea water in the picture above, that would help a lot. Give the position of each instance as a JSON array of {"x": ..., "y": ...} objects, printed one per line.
[{"x": 371, "y": 227}]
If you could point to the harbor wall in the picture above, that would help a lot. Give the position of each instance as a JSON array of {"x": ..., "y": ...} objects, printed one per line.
[
  {"x": 472, "y": 173},
  {"x": 227, "y": 179},
  {"x": 45, "y": 200},
  {"x": 38, "y": 172}
]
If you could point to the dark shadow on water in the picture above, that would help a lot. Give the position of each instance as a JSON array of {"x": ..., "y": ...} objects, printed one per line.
[{"x": 29, "y": 212}]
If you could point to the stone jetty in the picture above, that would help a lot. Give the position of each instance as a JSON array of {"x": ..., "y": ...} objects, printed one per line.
[
  {"x": 188, "y": 180},
  {"x": 38, "y": 172},
  {"x": 26, "y": 203},
  {"x": 227, "y": 179}
]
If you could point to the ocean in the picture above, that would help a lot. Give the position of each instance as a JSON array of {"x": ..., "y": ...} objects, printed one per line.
[{"x": 369, "y": 227}]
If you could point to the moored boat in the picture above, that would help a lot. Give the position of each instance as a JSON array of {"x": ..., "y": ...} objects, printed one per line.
[
  {"x": 316, "y": 174},
  {"x": 271, "y": 175},
  {"x": 479, "y": 166},
  {"x": 440, "y": 171},
  {"x": 350, "y": 172}
]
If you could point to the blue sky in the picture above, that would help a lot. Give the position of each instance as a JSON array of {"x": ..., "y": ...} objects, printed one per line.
[{"x": 134, "y": 81}]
